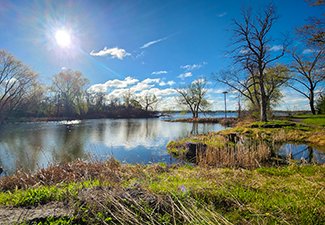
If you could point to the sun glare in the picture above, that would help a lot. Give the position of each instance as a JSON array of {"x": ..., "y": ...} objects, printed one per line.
[{"x": 63, "y": 38}]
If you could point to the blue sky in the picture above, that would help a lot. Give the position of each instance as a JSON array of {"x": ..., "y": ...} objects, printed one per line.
[{"x": 146, "y": 46}]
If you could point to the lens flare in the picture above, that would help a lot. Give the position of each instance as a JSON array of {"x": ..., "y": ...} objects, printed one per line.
[{"x": 63, "y": 38}]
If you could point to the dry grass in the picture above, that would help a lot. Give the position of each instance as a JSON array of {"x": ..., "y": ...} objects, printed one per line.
[
  {"x": 238, "y": 155},
  {"x": 70, "y": 172},
  {"x": 224, "y": 150},
  {"x": 140, "y": 206}
]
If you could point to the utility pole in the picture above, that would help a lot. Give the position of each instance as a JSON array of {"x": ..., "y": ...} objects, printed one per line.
[{"x": 225, "y": 94}]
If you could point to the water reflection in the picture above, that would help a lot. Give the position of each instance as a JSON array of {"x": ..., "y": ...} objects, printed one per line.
[
  {"x": 301, "y": 152},
  {"x": 30, "y": 146}
]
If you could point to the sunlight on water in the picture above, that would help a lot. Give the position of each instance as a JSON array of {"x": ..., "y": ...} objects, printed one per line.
[{"x": 69, "y": 122}]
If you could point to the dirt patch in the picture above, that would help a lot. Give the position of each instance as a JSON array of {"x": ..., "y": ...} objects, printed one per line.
[{"x": 13, "y": 215}]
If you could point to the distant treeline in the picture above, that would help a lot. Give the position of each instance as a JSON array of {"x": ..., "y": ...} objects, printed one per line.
[{"x": 23, "y": 97}]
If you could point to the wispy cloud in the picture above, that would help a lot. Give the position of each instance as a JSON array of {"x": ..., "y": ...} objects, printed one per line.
[
  {"x": 222, "y": 14},
  {"x": 276, "y": 48},
  {"x": 308, "y": 51},
  {"x": 184, "y": 75},
  {"x": 191, "y": 67},
  {"x": 116, "y": 52},
  {"x": 148, "y": 44},
  {"x": 159, "y": 72}
]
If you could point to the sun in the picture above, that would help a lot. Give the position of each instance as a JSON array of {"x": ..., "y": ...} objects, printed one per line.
[{"x": 63, "y": 38}]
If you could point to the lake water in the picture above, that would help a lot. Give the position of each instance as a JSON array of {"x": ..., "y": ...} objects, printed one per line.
[
  {"x": 30, "y": 146},
  {"x": 302, "y": 152}
]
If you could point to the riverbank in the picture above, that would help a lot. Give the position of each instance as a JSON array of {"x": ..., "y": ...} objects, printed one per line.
[{"x": 104, "y": 193}]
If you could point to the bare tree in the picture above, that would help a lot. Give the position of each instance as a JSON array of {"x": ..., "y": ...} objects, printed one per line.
[
  {"x": 248, "y": 87},
  {"x": 252, "y": 41},
  {"x": 68, "y": 85},
  {"x": 16, "y": 82},
  {"x": 193, "y": 97},
  {"x": 313, "y": 33},
  {"x": 148, "y": 101},
  {"x": 308, "y": 74}
]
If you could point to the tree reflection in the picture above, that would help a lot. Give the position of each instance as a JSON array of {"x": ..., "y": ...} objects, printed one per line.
[{"x": 72, "y": 144}]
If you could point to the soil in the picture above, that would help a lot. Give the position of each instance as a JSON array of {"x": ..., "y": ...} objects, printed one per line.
[{"x": 14, "y": 215}]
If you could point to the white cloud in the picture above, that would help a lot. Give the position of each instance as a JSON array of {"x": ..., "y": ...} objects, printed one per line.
[
  {"x": 113, "y": 84},
  {"x": 216, "y": 91},
  {"x": 190, "y": 67},
  {"x": 116, "y": 89},
  {"x": 97, "y": 88},
  {"x": 158, "y": 92},
  {"x": 184, "y": 75},
  {"x": 159, "y": 72},
  {"x": 141, "y": 86},
  {"x": 308, "y": 51},
  {"x": 121, "y": 83},
  {"x": 222, "y": 14},
  {"x": 276, "y": 48},
  {"x": 149, "y": 80},
  {"x": 114, "y": 52},
  {"x": 148, "y": 44},
  {"x": 170, "y": 83}
]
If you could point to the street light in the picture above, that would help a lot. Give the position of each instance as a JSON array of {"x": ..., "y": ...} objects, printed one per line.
[{"x": 225, "y": 93}]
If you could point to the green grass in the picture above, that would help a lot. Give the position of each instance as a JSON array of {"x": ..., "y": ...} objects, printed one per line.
[
  {"x": 315, "y": 120},
  {"x": 272, "y": 195},
  {"x": 161, "y": 194},
  {"x": 44, "y": 194},
  {"x": 53, "y": 221}
]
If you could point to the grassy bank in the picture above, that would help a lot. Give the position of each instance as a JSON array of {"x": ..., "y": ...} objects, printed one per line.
[
  {"x": 318, "y": 120},
  {"x": 249, "y": 145},
  {"x": 222, "y": 121},
  {"x": 110, "y": 193}
]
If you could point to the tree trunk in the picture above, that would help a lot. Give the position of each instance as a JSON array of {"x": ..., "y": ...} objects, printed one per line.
[
  {"x": 193, "y": 114},
  {"x": 263, "y": 103},
  {"x": 311, "y": 102}
]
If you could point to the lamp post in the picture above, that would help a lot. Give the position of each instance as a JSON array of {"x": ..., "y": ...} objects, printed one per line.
[{"x": 225, "y": 94}]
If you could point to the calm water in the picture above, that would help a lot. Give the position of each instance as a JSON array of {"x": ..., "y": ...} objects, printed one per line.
[
  {"x": 302, "y": 152},
  {"x": 30, "y": 146}
]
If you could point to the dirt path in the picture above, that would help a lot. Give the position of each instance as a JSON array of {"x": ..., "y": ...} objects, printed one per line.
[{"x": 12, "y": 215}]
